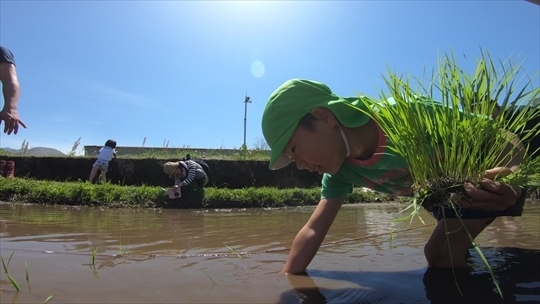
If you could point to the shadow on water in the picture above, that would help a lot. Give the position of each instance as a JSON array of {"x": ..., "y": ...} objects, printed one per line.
[{"x": 517, "y": 271}]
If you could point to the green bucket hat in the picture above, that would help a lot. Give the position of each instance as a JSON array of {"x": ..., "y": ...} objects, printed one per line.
[{"x": 294, "y": 99}]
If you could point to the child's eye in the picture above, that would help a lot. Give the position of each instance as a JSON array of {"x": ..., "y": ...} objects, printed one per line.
[{"x": 293, "y": 149}]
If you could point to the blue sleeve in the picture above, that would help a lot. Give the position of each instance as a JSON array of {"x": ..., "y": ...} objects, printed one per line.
[{"x": 6, "y": 55}]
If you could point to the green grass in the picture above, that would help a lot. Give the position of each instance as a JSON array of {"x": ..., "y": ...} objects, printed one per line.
[{"x": 116, "y": 196}]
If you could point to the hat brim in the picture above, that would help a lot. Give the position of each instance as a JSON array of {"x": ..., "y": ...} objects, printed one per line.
[
  {"x": 277, "y": 159},
  {"x": 176, "y": 165}
]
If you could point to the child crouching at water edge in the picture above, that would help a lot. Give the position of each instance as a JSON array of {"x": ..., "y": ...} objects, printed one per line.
[
  {"x": 185, "y": 173},
  {"x": 106, "y": 154},
  {"x": 305, "y": 123}
]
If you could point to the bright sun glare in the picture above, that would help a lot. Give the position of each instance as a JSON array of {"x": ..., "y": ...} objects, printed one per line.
[{"x": 257, "y": 69}]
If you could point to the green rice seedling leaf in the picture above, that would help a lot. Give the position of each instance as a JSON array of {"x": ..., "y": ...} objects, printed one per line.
[
  {"x": 93, "y": 256},
  {"x": 454, "y": 231},
  {"x": 232, "y": 250},
  {"x": 13, "y": 282},
  {"x": 47, "y": 299},
  {"x": 401, "y": 219},
  {"x": 26, "y": 273},
  {"x": 10, "y": 278},
  {"x": 208, "y": 276},
  {"x": 447, "y": 118},
  {"x": 450, "y": 254},
  {"x": 9, "y": 260},
  {"x": 455, "y": 141},
  {"x": 6, "y": 265},
  {"x": 480, "y": 253},
  {"x": 484, "y": 260},
  {"x": 415, "y": 206}
]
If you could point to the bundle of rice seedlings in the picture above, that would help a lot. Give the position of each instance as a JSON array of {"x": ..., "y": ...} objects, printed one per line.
[{"x": 445, "y": 132}]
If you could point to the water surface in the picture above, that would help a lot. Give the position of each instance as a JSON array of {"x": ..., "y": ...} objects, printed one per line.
[{"x": 198, "y": 256}]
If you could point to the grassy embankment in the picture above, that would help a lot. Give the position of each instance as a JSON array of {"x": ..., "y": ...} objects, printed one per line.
[{"x": 108, "y": 195}]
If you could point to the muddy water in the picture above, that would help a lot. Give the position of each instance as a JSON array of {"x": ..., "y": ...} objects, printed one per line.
[{"x": 196, "y": 256}]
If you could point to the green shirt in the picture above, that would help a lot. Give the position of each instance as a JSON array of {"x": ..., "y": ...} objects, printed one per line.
[{"x": 384, "y": 172}]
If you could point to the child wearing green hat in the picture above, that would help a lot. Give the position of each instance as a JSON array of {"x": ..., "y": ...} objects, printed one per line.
[{"x": 305, "y": 123}]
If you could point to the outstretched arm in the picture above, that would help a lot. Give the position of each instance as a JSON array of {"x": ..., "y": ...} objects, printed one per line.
[
  {"x": 310, "y": 237},
  {"x": 10, "y": 83}
]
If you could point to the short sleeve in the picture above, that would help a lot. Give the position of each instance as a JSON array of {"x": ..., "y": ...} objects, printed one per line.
[
  {"x": 6, "y": 56},
  {"x": 333, "y": 186}
]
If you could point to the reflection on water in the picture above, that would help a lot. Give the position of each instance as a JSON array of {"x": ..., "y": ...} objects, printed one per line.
[
  {"x": 517, "y": 272},
  {"x": 158, "y": 256}
]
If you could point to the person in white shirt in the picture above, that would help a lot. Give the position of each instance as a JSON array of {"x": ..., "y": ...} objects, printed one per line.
[{"x": 106, "y": 154}]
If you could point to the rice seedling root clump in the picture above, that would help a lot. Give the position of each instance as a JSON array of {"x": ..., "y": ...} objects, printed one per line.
[{"x": 444, "y": 192}]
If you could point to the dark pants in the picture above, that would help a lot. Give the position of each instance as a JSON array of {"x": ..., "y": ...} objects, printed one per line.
[{"x": 200, "y": 182}]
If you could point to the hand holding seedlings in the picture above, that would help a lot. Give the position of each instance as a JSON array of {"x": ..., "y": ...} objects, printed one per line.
[{"x": 491, "y": 195}]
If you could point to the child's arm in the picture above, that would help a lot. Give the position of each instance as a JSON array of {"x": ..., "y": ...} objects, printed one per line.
[
  {"x": 190, "y": 175},
  {"x": 177, "y": 181},
  {"x": 309, "y": 239}
]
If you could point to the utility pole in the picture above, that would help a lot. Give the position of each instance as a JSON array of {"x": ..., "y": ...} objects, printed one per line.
[{"x": 246, "y": 101}]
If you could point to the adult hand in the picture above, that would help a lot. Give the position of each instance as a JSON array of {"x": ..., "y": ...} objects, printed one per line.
[
  {"x": 491, "y": 195},
  {"x": 11, "y": 120}
]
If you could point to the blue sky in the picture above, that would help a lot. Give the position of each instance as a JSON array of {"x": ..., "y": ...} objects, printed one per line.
[{"x": 178, "y": 71}]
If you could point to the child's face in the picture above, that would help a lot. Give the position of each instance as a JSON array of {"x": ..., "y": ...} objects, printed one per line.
[{"x": 319, "y": 150}]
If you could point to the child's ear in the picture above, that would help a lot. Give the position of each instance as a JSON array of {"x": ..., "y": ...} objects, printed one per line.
[{"x": 325, "y": 115}]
